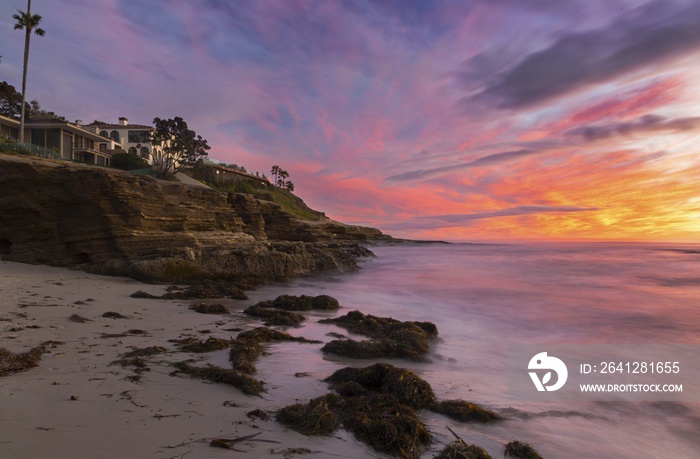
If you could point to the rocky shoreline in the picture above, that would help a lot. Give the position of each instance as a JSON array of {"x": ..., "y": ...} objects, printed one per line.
[
  {"x": 221, "y": 245},
  {"x": 111, "y": 222},
  {"x": 80, "y": 345}
]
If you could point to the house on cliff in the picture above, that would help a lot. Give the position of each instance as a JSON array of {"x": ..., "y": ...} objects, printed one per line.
[
  {"x": 134, "y": 138},
  {"x": 217, "y": 173},
  {"x": 69, "y": 140}
]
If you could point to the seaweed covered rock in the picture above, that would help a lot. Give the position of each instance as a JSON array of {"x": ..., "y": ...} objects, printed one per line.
[
  {"x": 462, "y": 411},
  {"x": 301, "y": 303},
  {"x": 402, "y": 384},
  {"x": 267, "y": 335},
  {"x": 410, "y": 346},
  {"x": 313, "y": 418},
  {"x": 378, "y": 420},
  {"x": 205, "y": 308},
  {"x": 391, "y": 338},
  {"x": 378, "y": 405},
  {"x": 521, "y": 450},
  {"x": 378, "y": 327},
  {"x": 243, "y": 355},
  {"x": 385, "y": 424},
  {"x": 460, "y": 450},
  {"x": 274, "y": 316}
]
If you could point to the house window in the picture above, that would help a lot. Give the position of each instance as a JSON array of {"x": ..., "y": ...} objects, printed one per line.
[
  {"x": 132, "y": 151},
  {"x": 114, "y": 136},
  {"x": 139, "y": 136},
  {"x": 105, "y": 134},
  {"x": 144, "y": 152}
]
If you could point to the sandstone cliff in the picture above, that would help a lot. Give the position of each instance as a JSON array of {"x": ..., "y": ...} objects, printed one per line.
[{"x": 113, "y": 222}]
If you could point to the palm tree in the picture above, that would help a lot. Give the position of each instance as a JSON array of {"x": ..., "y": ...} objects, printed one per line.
[{"x": 27, "y": 22}]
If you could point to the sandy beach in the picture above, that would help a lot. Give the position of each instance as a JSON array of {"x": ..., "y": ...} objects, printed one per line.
[{"x": 77, "y": 403}]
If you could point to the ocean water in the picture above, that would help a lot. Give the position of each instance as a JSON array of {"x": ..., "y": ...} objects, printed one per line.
[{"x": 487, "y": 298}]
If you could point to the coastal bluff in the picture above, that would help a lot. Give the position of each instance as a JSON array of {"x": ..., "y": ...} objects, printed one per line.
[{"x": 112, "y": 222}]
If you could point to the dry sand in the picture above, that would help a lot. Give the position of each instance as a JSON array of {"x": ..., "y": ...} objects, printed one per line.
[{"x": 77, "y": 404}]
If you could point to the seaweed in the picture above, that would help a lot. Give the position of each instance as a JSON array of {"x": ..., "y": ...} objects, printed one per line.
[
  {"x": 78, "y": 319},
  {"x": 379, "y": 327},
  {"x": 274, "y": 317},
  {"x": 404, "y": 385},
  {"x": 522, "y": 450},
  {"x": 385, "y": 424},
  {"x": 460, "y": 450},
  {"x": 246, "y": 348},
  {"x": 204, "y": 308},
  {"x": 301, "y": 303},
  {"x": 378, "y": 405},
  {"x": 313, "y": 418},
  {"x": 463, "y": 411},
  {"x": 258, "y": 414},
  {"x": 146, "y": 352},
  {"x": 138, "y": 363},
  {"x": 195, "y": 345},
  {"x": 409, "y": 345},
  {"x": 206, "y": 289},
  {"x": 378, "y": 420},
  {"x": 391, "y": 338},
  {"x": 266, "y": 335},
  {"x": 243, "y": 382},
  {"x": 243, "y": 355},
  {"x": 11, "y": 363},
  {"x": 114, "y": 315}
]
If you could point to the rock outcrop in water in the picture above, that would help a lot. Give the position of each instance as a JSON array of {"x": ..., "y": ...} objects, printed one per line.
[{"x": 113, "y": 222}]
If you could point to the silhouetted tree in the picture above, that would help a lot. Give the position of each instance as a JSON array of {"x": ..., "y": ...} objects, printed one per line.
[
  {"x": 37, "y": 113},
  {"x": 10, "y": 101},
  {"x": 280, "y": 178},
  {"x": 27, "y": 22},
  {"x": 181, "y": 146}
]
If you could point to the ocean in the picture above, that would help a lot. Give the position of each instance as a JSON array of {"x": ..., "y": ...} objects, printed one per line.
[{"x": 487, "y": 299}]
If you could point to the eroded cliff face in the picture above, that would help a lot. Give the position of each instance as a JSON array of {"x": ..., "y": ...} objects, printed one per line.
[{"x": 113, "y": 222}]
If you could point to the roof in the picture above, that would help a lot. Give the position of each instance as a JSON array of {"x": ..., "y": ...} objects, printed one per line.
[
  {"x": 119, "y": 126},
  {"x": 47, "y": 124},
  {"x": 235, "y": 171}
]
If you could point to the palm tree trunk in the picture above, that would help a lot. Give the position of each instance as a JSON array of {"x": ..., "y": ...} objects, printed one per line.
[
  {"x": 24, "y": 73},
  {"x": 24, "y": 84}
]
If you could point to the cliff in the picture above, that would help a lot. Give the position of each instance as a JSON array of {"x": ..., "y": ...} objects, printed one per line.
[{"x": 113, "y": 222}]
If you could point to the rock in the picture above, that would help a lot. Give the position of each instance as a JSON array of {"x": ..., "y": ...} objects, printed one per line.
[{"x": 112, "y": 222}]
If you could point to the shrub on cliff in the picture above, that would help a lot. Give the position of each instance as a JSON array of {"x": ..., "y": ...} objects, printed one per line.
[{"x": 127, "y": 162}]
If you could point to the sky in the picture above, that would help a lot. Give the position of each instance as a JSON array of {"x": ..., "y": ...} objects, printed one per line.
[{"x": 460, "y": 120}]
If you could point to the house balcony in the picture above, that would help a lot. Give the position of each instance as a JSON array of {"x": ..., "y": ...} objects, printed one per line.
[{"x": 90, "y": 155}]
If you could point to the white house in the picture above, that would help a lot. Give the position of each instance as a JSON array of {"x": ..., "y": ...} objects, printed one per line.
[
  {"x": 69, "y": 141},
  {"x": 134, "y": 138}
]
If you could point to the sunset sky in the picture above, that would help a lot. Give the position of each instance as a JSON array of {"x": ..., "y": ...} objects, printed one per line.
[{"x": 459, "y": 120}]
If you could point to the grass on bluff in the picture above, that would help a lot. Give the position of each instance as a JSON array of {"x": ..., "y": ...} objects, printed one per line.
[{"x": 288, "y": 201}]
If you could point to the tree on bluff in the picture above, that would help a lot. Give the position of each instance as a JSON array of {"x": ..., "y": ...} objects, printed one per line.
[
  {"x": 180, "y": 146},
  {"x": 281, "y": 176},
  {"x": 10, "y": 101}
]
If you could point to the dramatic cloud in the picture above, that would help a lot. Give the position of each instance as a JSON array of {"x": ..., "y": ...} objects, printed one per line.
[
  {"x": 645, "y": 124},
  {"x": 483, "y": 161},
  {"x": 654, "y": 32},
  {"x": 462, "y": 219}
]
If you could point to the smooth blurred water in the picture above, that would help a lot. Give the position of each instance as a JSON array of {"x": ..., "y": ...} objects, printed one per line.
[{"x": 487, "y": 297}]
